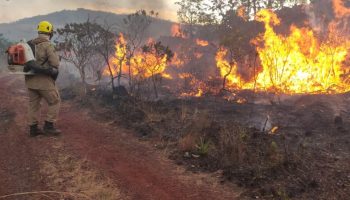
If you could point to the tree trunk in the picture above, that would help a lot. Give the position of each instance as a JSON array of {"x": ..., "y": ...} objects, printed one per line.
[
  {"x": 111, "y": 74},
  {"x": 225, "y": 78},
  {"x": 82, "y": 75},
  {"x": 131, "y": 88},
  {"x": 154, "y": 86},
  {"x": 120, "y": 72}
]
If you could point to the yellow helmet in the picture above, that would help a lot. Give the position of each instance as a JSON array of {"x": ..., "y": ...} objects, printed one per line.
[{"x": 45, "y": 27}]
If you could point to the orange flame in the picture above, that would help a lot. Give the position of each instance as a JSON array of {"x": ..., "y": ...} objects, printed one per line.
[
  {"x": 197, "y": 87},
  {"x": 142, "y": 64},
  {"x": 202, "y": 43},
  {"x": 297, "y": 63},
  {"x": 176, "y": 31},
  {"x": 177, "y": 61},
  {"x": 340, "y": 9},
  {"x": 242, "y": 13},
  {"x": 119, "y": 57}
]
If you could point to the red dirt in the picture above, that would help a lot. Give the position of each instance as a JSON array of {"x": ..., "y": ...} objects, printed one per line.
[{"x": 135, "y": 167}]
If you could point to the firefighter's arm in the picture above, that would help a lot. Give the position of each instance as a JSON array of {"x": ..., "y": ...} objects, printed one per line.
[{"x": 50, "y": 71}]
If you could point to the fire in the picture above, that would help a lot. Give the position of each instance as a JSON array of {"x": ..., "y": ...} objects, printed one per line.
[
  {"x": 340, "y": 9},
  {"x": 176, "y": 61},
  {"x": 293, "y": 64},
  {"x": 176, "y": 31},
  {"x": 197, "y": 87},
  {"x": 241, "y": 12},
  {"x": 202, "y": 43},
  {"x": 141, "y": 65},
  {"x": 146, "y": 65},
  {"x": 228, "y": 70},
  {"x": 119, "y": 58}
]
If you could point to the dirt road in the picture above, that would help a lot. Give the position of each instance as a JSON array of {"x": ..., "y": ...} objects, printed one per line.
[{"x": 91, "y": 160}]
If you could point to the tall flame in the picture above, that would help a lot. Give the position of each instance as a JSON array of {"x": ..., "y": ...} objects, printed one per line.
[{"x": 297, "y": 63}]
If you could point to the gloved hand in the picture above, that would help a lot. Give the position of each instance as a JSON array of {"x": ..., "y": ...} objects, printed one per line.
[
  {"x": 26, "y": 68},
  {"x": 50, "y": 71}
]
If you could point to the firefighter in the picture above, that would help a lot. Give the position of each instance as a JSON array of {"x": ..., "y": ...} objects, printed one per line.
[{"x": 42, "y": 85}]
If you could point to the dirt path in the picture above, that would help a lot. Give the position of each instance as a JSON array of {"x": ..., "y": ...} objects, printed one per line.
[{"x": 91, "y": 158}]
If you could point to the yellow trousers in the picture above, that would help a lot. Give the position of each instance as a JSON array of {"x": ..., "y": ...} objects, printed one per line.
[{"x": 53, "y": 100}]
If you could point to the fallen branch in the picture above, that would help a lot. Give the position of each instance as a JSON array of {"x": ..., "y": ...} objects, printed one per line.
[{"x": 46, "y": 192}]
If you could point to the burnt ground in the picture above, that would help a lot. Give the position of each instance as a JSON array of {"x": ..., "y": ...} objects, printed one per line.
[
  {"x": 93, "y": 159},
  {"x": 285, "y": 147}
]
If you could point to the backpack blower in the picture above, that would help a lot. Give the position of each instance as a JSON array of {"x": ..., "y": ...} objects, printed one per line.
[
  {"x": 17, "y": 56},
  {"x": 21, "y": 60}
]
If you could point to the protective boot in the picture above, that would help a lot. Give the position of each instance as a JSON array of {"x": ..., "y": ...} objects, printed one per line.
[
  {"x": 49, "y": 129},
  {"x": 35, "y": 131}
]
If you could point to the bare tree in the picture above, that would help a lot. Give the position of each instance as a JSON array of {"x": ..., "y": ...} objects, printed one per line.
[
  {"x": 76, "y": 46},
  {"x": 103, "y": 40}
]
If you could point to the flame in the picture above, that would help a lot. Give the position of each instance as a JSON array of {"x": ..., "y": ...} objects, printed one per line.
[
  {"x": 340, "y": 10},
  {"x": 228, "y": 70},
  {"x": 198, "y": 55},
  {"x": 242, "y": 13},
  {"x": 293, "y": 64},
  {"x": 119, "y": 57},
  {"x": 202, "y": 43},
  {"x": 176, "y": 31},
  {"x": 241, "y": 101},
  {"x": 142, "y": 64},
  {"x": 176, "y": 61},
  {"x": 197, "y": 86}
]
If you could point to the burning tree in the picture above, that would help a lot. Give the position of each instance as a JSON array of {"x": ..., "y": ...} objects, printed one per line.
[
  {"x": 228, "y": 70},
  {"x": 297, "y": 63},
  {"x": 149, "y": 62},
  {"x": 136, "y": 26},
  {"x": 155, "y": 58}
]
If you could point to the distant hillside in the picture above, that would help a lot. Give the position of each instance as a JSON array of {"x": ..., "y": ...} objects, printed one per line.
[{"x": 25, "y": 28}]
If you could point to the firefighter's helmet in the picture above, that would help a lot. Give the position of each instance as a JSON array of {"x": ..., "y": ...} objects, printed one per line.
[{"x": 45, "y": 27}]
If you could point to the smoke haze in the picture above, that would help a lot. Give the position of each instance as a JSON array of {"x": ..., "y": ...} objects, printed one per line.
[{"x": 25, "y": 8}]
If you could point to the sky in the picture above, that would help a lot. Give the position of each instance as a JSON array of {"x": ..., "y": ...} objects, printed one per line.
[{"x": 12, "y": 10}]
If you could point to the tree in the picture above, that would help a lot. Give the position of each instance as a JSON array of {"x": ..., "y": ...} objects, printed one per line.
[
  {"x": 136, "y": 26},
  {"x": 191, "y": 13},
  {"x": 76, "y": 46},
  {"x": 103, "y": 40},
  {"x": 156, "y": 57},
  {"x": 4, "y": 43}
]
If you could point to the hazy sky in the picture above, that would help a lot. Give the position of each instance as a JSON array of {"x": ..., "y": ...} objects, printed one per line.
[{"x": 12, "y": 10}]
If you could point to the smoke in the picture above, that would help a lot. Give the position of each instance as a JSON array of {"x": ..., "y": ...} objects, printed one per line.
[
  {"x": 156, "y": 5},
  {"x": 150, "y": 4},
  {"x": 320, "y": 14},
  {"x": 24, "y": 8}
]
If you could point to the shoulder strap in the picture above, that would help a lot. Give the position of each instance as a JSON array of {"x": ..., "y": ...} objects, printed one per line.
[
  {"x": 32, "y": 46},
  {"x": 45, "y": 61}
]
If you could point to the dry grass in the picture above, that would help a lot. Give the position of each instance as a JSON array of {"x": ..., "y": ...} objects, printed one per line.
[
  {"x": 68, "y": 174},
  {"x": 231, "y": 145},
  {"x": 188, "y": 143}
]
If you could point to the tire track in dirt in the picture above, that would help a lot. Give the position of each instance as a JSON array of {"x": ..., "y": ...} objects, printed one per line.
[
  {"x": 141, "y": 172},
  {"x": 129, "y": 167}
]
